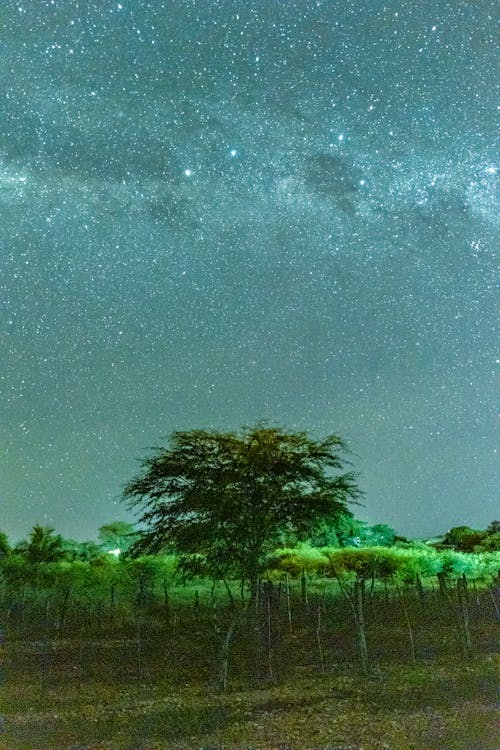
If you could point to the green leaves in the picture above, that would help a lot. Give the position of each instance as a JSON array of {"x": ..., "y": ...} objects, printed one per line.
[
  {"x": 43, "y": 545},
  {"x": 384, "y": 563},
  {"x": 234, "y": 497}
]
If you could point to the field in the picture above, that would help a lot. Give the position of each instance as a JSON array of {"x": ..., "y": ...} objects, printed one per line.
[{"x": 108, "y": 676}]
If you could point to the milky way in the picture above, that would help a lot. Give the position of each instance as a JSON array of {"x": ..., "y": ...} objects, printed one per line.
[{"x": 217, "y": 212}]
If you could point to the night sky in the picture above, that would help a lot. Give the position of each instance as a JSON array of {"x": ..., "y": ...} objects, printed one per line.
[{"x": 219, "y": 211}]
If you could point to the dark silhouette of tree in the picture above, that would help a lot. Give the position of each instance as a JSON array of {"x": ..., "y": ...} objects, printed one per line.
[
  {"x": 232, "y": 498},
  {"x": 4, "y": 545},
  {"x": 42, "y": 545},
  {"x": 463, "y": 538}
]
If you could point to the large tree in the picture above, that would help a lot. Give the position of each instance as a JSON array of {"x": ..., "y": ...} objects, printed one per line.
[{"x": 229, "y": 499}]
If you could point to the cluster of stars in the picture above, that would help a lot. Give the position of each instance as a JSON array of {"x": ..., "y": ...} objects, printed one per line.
[{"x": 258, "y": 210}]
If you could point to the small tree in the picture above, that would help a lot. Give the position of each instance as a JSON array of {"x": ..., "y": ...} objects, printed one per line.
[
  {"x": 234, "y": 497},
  {"x": 463, "y": 538},
  {"x": 42, "y": 545}
]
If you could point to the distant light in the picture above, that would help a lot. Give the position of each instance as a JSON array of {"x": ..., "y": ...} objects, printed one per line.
[
  {"x": 188, "y": 172},
  {"x": 341, "y": 137},
  {"x": 233, "y": 152},
  {"x": 362, "y": 182},
  {"x": 116, "y": 552}
]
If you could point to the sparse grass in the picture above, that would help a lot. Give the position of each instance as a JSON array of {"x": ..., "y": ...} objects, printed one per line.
[
  {"x": 427, "y": 707},
  {"x": 148, "y": 683}
]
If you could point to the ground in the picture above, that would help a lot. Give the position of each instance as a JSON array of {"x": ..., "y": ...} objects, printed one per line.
[{"x": 51, "y": 703}]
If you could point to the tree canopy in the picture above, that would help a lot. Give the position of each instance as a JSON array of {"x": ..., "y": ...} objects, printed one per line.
[
  {"x": 228, "y": 499},
  {"x": 117, "y": 535},
  {"x": 42, "y": 545}
]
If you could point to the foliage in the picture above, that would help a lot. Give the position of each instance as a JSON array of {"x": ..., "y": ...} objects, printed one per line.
[
  {"x": 233, "y": 498},
  {"x": 119, "y": 535},
  {"x": 346, "y": 531},
  {"x": 491, "y": 543},
  {"x": 42, "y": 545},
  {"x": 16, "y": 571},
  {"x": 380, "y": 534},
  {"x": 294, "y": 560},
  {"x": 463, "y": 538},
  {"x": 75, "y": 550},
  {"x": 336, "y": 531},
  {"x": 384, "y": 563},
  {"x": 4, "y": 545}
]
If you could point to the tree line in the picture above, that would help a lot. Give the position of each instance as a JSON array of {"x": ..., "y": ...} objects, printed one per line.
[{"x": 225, "y": 501}]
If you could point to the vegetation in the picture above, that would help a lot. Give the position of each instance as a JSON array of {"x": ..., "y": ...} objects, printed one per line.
[
  {"x": 42, "y": 545},
  {"x": 465, "y": 539},
  {"x": 227, "y": 500},
  {"x": 126, "y": 653},
  {"x": 251, "y": 612}
]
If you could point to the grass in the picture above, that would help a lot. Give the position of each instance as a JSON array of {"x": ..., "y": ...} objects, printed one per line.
[
  {"x": 149, "y": 685},
  {"x": 426, "y": 707}
]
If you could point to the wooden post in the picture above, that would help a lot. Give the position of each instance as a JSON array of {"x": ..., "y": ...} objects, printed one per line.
[
  {"x": 303, "y": 588},
  {"x": 166, "y": 601},
  {"x": 288, "y": 602},
  {"x": 318, "y": 639},
  {"x": 408, "y": 625},
  {"x": 360, "y": 623},
  {"x": 269, "y": 634},
  {"x": 464, "y": 614}
]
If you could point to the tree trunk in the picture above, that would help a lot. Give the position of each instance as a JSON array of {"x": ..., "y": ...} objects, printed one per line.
[
  {"x": 443, "y": 589},
  {"x": 224, "y": 657},
  {"x": 420, "y": 588},
  {"x": 356, "y": 602},
  {"x": 254, "y": 589}
]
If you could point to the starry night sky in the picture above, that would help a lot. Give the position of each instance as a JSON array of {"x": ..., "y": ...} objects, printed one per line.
[{"x": 219, "y": 211}]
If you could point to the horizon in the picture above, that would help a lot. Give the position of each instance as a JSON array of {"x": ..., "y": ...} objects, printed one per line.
[{"x": 13, "y": 540}]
